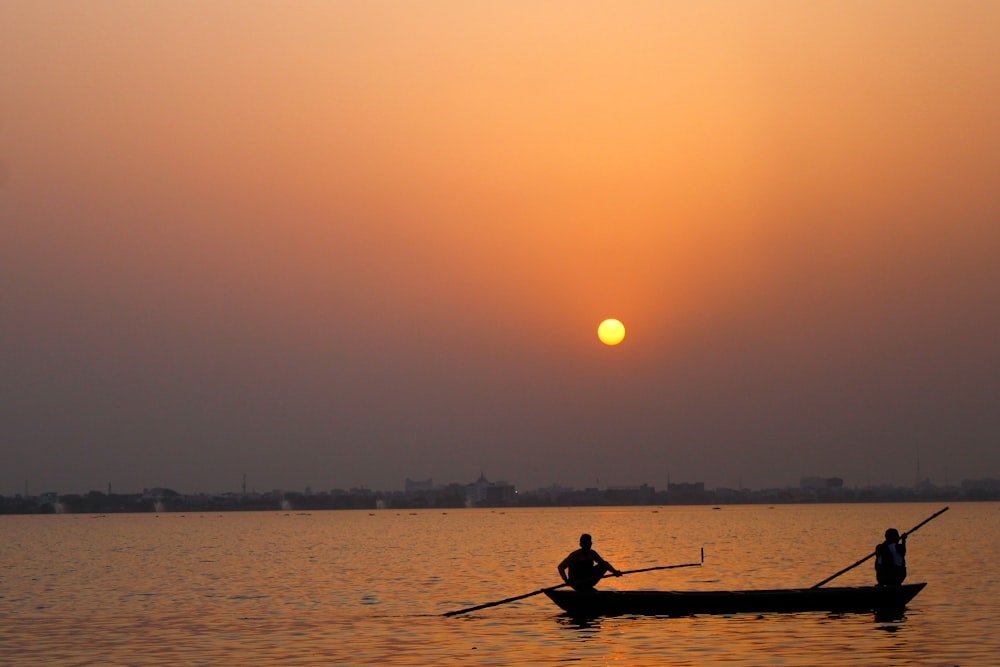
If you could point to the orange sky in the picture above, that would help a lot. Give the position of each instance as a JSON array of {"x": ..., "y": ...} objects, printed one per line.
[{"x": 341, "y": 243}]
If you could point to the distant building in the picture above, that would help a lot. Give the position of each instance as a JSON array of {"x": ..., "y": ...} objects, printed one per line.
[
  {"x": 819, "y": 483},
  {"x": 686, "y": 487},
  {"x": 159, "y": 493},
  {"x": 631, "y": 495},
  {"x": 491, "y": 494},
  {"x": 820, "y": 488},
  {"x": 686, "y": 493},
  {"x": 981, "y": 485},
  {"x": 418, "y": 485},
  {"x": 553, "y": 492}
]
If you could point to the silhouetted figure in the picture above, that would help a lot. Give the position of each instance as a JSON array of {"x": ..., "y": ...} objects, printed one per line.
[
  {"x": 890, "y": 559},
  {"x": 585, "y": 566}
]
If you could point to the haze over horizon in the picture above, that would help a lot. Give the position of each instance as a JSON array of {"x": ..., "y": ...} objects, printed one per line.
[{"x": 339, "y": 244}]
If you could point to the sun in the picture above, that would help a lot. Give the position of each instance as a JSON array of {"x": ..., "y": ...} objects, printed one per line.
[{"x": 611, "y": 332}]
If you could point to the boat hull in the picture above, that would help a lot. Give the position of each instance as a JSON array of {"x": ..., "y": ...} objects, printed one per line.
[{"x": 686, "y": 603}]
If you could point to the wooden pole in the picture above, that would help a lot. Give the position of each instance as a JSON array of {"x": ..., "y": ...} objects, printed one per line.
[{"x": 552, "y": 588}]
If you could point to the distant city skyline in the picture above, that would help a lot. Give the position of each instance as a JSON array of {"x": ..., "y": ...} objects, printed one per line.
[
  {"x": 482, "y": 493},
  {"x": 406, "y": 484}
]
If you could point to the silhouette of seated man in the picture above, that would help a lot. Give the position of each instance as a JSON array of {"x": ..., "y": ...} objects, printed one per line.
[
  {"x": 583, "y": 568},
  {"x": 890, "y": 559}
]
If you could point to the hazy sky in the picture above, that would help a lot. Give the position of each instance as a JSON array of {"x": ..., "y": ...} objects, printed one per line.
[{"x": 337, "y": 244}]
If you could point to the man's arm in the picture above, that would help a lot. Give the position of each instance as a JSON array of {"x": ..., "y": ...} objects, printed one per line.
[
  {"x": 562, "y": 567},
  {"x": 611, "y": 568}
]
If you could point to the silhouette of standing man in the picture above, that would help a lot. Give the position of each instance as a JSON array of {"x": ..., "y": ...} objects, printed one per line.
[{"x": 585, "y": 566}]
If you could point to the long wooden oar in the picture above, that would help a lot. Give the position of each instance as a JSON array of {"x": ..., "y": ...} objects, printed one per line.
[
  {"x": 872, "y": 554},
  {"x": 552, "y": 588}
]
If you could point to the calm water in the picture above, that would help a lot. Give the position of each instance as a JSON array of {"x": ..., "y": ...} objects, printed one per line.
[{"x": 360, "y": 588}]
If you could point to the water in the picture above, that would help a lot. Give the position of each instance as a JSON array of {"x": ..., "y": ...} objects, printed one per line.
[{"x": 369, "y": 588}]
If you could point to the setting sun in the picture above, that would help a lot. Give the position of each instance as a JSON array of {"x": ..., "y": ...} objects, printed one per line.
[{"x": 611, "y": 332}]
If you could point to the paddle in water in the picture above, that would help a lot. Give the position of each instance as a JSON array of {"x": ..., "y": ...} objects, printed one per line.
[
  {"x": 552, "y": 588},
  {"x": 872, "y": 554}
]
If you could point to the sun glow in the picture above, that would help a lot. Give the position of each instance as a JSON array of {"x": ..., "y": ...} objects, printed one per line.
[{"x": 611, "y": 332}]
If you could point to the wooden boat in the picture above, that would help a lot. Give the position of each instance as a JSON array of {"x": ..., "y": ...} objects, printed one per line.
[{"x": 685, "y": 603}]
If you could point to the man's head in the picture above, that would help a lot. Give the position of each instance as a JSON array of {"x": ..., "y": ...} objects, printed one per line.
[
  {"x": 585, "y": 541},
  {"x": 892, "y": 535}
]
